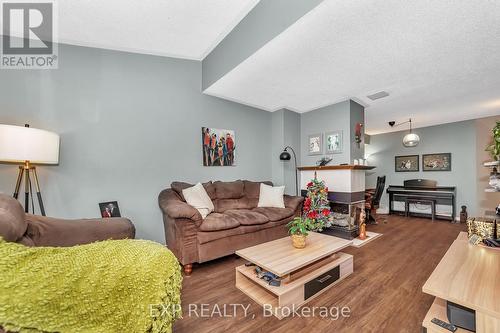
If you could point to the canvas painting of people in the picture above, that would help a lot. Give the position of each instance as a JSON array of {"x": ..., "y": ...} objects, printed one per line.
[{"x": 219, "y": 146}]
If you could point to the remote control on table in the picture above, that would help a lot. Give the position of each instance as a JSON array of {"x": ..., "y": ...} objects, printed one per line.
[{"x": 445, "y": 325}]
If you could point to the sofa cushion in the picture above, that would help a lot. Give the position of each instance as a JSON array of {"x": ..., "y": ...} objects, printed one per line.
[
  {"x": 222, "y": 205},
  {"x": 274, "y": 214},
  {"x": 229, "y": 190},
  {"x": 12, "y": 219},
  {"x": 197, "y": 197},
  {"x": 252, "y": 189},
  {"x": 205, "y": 237},
  {"x": 247, "y": 217},
  {"x": 271, "y": 196},
  {"x": 179, "y": 186},
  {"x": 216, "y": 221}
]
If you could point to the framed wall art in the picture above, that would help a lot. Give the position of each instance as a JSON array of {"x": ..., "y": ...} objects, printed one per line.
[
  {"x": 315, "y": 142},
  {"x": 407, "y": 163},
  {"x": 334, "y": 142},
  {"x": 219, "y": 146},
  {"x": 436, "y": 162}
]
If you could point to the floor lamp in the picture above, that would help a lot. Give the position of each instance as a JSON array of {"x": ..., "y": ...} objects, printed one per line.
[
  {"x": 285, "y": 156},
  {"x": 28, "y": 146}
]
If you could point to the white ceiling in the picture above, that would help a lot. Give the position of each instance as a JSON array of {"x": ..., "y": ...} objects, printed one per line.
[
  {"x": 439, "y": 60},
  {"x": 175, "y": 28}
]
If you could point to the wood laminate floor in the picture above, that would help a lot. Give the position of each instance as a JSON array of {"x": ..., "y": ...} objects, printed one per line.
[{"x": 384, "y": 294}]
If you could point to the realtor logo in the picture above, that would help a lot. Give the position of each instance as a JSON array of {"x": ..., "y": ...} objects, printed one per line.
[{"x": 28, "y": 35}]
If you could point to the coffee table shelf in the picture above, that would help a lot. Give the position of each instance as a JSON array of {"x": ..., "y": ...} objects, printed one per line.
[{"x": 293, "y": 294}]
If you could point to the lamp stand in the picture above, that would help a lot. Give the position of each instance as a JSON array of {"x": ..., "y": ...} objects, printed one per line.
[
  {"x": 296, "y": 173},
  {"x": 25, "y": 171}
]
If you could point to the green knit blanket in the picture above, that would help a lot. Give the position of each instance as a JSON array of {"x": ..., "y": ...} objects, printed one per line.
[{"x": 109, "y": 286}]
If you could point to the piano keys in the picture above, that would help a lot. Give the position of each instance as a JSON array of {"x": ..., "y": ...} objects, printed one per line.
[{"x": 425, "y": 190}]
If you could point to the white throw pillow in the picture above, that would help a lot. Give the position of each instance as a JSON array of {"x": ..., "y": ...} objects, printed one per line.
[
  {"x": 197, "y": 197},
  {"x": 271, "y": 196}
]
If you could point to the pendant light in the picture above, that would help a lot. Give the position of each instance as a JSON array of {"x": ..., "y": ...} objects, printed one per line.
[{"x": 411, "y": 139}]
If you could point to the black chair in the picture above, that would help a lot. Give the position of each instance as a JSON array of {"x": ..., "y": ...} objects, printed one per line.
[{"x": 372, "y": 200}]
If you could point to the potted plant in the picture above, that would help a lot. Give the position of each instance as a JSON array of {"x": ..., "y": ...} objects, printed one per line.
[
  {"x": 494, "y": 148},
  {"x": 299, "y": 229}
]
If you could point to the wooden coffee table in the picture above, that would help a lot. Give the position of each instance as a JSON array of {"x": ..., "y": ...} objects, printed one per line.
[{"x": 305, "y": 273}]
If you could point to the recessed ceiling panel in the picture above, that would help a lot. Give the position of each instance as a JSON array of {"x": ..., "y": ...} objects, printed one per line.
[{"x": 438, "y": 60}]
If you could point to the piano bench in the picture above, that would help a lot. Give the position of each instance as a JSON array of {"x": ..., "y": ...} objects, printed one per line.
[{"x": 429, "y": 202}]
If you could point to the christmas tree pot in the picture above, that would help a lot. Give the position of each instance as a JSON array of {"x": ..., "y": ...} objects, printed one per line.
[{"x": 299, "y": 241}]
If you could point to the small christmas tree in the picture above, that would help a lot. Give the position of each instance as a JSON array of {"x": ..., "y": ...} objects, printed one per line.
[{"x": 316, "y": 206}]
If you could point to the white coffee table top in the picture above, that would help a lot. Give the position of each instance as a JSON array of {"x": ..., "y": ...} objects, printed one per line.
[{"x": 281, "y": 258}]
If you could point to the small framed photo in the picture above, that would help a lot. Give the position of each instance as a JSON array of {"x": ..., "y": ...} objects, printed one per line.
[
  {"x": 109, "y": 209},
  {"x": 436, "y": 162},
  {"x": 315, "y": 144},
  {"x": 334, "y": 142},
  {"x": 407, "y": 163}
]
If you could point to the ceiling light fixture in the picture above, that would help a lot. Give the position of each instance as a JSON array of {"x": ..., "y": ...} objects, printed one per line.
[
  {"x": 409, "y": 140},
  {"x": 378, "y": 95}
]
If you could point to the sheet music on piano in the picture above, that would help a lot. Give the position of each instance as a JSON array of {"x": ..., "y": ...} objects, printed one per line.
[{"x": 444, "y": 198}]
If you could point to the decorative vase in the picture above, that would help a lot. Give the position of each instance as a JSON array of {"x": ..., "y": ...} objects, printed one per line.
[
  {"x": 362, "y": 231},
  {"x": 299, "y": 241},
  {"x": 463, "y": 215}
]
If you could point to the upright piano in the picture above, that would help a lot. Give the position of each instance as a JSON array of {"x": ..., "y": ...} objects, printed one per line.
[{"x": 425, "y": 190}]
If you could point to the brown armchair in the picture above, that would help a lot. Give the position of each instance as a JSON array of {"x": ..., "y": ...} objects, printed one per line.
[{"x": 33, "y": 230}]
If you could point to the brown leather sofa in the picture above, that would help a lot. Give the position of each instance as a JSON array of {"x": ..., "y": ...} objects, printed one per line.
[
  {"x": 235, "y": 224},
  {"x": 33, "y": 230}
]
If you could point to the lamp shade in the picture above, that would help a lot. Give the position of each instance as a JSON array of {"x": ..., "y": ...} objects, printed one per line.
[
  {"x": 285, "y": 156},
  {"x": 19, "y": 144},
  {"x": 411, "y": 140}
]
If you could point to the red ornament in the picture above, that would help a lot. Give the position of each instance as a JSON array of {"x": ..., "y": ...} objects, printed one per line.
[
  {"x": 312, "y": 215},
  {"x": 326, "y": 212}
]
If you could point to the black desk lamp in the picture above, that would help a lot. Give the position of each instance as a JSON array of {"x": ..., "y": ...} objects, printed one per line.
[{"x": 285, "y": 156}]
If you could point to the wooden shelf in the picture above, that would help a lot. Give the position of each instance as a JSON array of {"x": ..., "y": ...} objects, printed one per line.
[
  {"x": 336, "y": 167},
  {"x": 288, "y": 294},
  {"x": 492, "y": 164},
  {"x": 438, "y": 310}
]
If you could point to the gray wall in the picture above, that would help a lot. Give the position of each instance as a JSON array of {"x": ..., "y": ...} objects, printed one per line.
[
  {"x": 459, "y": 139},
  {"x": 285, "y": 132},
  {"x": 277, "y": 145},
  {"x": 357, "y": 115},
  {"x": 339, "y": 116},
  {"x": 129, "y": 124},
  {"x": 292, "y": 138}
]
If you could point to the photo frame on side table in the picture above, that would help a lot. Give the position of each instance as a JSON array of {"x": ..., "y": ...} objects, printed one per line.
[
  {"x": 334, "y": 142},
  {"x": 407, "y": 163},
  {"x": 436, "y": 162},
  {"x": 109, "y": 209},
  {"x": 315, "y": 142}
]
